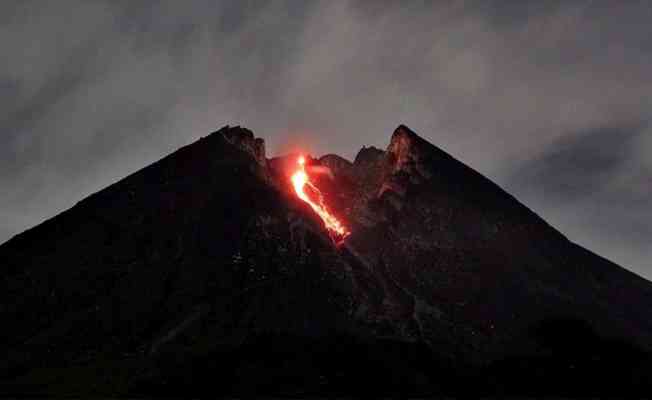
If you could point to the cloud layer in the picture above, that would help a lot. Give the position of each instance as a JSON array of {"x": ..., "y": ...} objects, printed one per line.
[{"x": 552, "y": 100}]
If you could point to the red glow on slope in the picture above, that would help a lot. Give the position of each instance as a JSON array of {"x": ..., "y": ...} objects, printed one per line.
[{"x": 301, "y": 183}]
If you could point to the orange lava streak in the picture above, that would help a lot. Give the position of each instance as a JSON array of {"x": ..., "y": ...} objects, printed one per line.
[{"x": 300, "y": 180}]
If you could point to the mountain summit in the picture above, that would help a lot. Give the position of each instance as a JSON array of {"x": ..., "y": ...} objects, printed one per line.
[{"x": 204, "y": 273}]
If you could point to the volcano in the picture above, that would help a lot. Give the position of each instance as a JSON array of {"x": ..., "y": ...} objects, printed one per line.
[{"x": 205, "y": 274}]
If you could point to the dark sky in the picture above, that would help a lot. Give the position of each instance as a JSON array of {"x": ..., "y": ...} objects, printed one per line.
[{"x": 551, "y": 100}]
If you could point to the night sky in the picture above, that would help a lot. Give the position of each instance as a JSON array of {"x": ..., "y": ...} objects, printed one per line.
[{"x": 551, "y": 100}]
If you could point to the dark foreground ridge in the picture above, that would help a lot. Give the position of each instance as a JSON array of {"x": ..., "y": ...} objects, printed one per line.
[{"x": 202, "y": 274}]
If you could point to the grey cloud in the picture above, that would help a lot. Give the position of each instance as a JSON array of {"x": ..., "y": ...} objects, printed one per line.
[
  {"x": 93, "y": 90},
  {"x": 9, "y": 90},
  {"x": 579, "y": 165},
  {"x": 595, "y": 186}
]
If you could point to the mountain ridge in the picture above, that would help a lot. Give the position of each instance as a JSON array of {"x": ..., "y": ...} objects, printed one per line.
[{"x": 207, "y": 261}]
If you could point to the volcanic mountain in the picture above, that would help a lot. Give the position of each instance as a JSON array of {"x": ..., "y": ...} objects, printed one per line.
[{"x": 204, "y": 273}]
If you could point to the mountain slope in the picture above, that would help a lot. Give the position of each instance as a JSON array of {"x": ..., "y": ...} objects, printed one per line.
[{"x": 203, "y": 273}]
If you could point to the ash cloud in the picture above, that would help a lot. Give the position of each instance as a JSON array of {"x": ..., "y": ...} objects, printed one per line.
[{"x": 545, "y": 99}]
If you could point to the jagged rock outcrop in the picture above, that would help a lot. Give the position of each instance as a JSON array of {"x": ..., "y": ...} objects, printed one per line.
[
  {"x": 244, "y": 139},
  {"x": 367, "y": 157},
  {"x": 410, "y": 154},
  {"x": 369, "y": 167},
  {"x": 337, "y": 165},
  {"x": 203, "y": 274}
]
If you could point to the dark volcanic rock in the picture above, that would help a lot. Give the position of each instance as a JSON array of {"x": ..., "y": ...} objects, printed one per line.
[
  {"x": 202, "y": 274},
  {"x": 244, "y": 139},
  {"x": 410, "y": 154},
  {"x": 368, "y": 156},
  {"x": 338, "y": 166}
]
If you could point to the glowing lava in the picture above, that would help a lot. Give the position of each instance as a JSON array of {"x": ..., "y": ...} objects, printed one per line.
[{"x": 301, "y": 180}]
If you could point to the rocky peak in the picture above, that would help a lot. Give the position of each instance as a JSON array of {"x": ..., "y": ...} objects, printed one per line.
[
  {"x": 338, "y": 165},
  {"x": 368, "y": 155},
  {"x": 407, "y": 160},
  {"x": 406, "y": 152},
  {"x": 245, "y": 140}
]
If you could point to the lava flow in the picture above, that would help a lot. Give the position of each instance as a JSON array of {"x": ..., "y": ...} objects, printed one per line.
[{"x": 301, "y": 180}]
